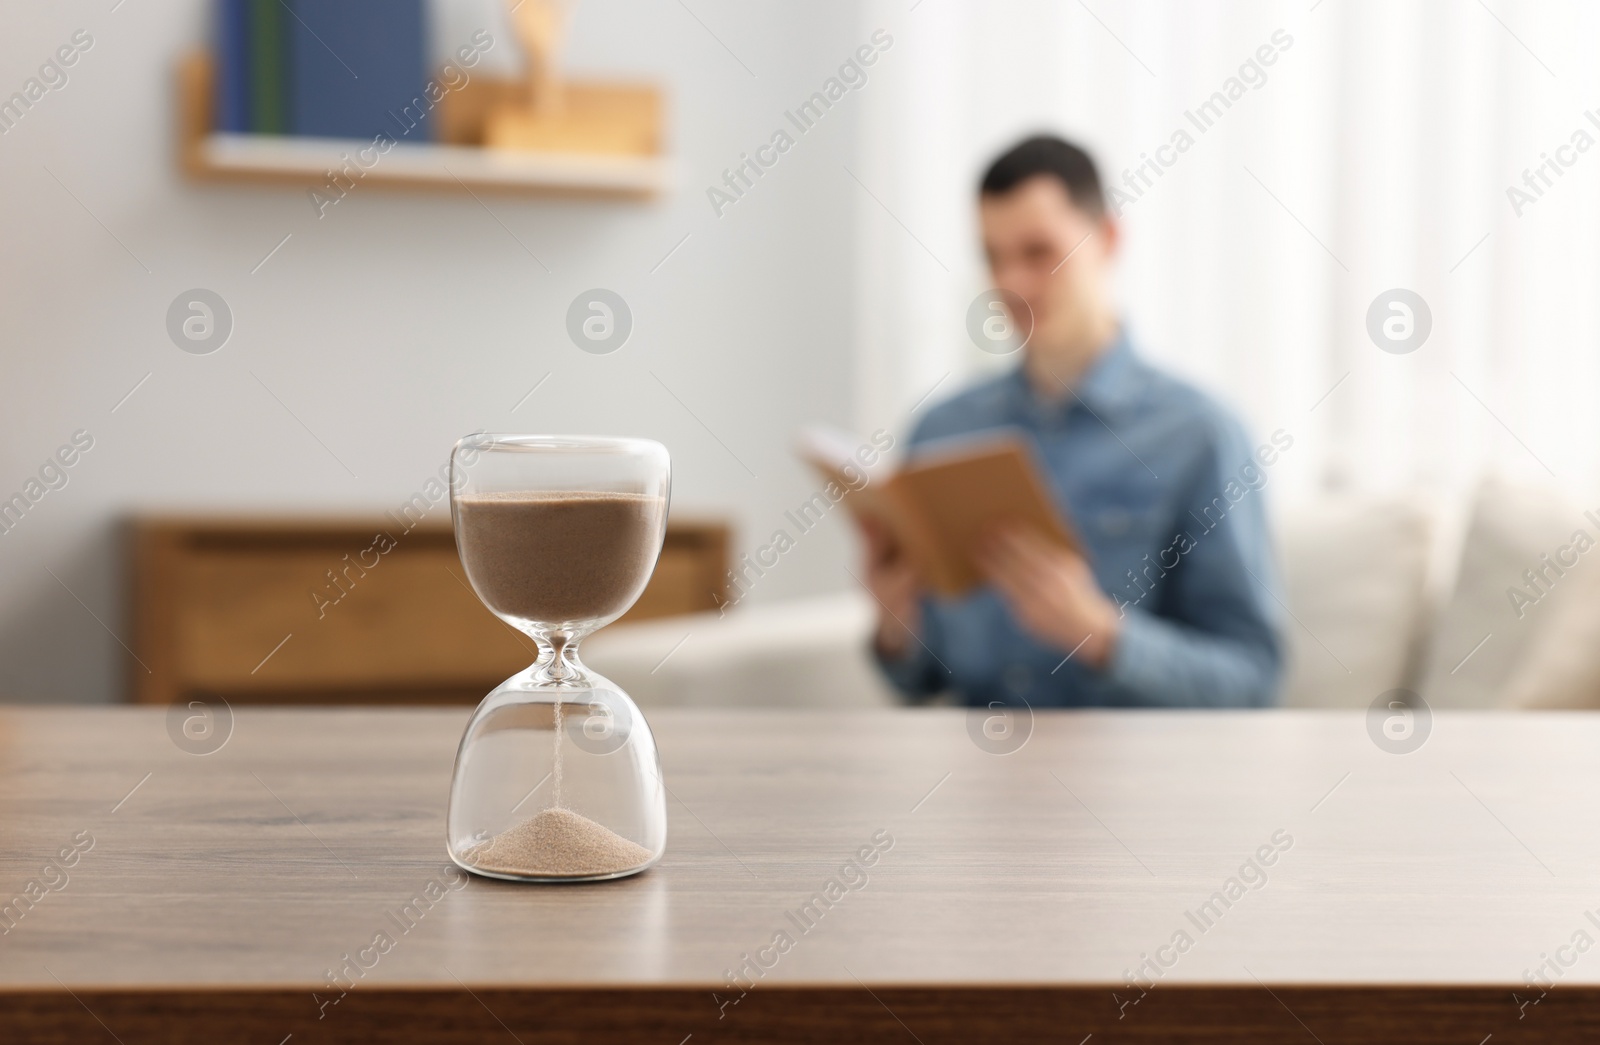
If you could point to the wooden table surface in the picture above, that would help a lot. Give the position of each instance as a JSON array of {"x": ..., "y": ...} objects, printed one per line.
[{"x": 1408, "y": 896}]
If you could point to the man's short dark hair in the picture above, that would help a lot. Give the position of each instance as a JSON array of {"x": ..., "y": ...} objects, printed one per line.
[{"x": 1051, "y": 157}]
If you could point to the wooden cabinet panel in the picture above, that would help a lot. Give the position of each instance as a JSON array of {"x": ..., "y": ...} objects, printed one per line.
[{"x": 316, "y": 612}]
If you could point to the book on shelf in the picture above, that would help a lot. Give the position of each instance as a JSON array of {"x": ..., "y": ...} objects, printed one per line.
[
  {"x": 323, "y": 69},
  {"x": 269, "y": 96},
  {"x": 231, "y": 45},
  {"x": 359, "y": 68}
]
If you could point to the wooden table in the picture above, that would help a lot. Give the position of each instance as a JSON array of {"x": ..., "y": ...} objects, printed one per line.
[{"x": 1406, "y": 896}]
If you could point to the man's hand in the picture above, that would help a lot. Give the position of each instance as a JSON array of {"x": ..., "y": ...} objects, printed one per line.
[
  {"x": 1052, "y": 593},
  {"x": 895, "y": 583}
]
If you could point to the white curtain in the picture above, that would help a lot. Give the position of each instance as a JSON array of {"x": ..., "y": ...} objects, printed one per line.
[{"x": 1376, "y": 154}]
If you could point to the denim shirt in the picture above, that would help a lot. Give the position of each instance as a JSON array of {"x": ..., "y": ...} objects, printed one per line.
[{"x": 1165, "y": 493}]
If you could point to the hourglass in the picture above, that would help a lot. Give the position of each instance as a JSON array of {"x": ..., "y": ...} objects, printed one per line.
[{"x": 557, "y": 777}]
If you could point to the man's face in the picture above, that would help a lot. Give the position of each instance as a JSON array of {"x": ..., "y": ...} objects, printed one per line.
[{"x": 1048, "y": 251}]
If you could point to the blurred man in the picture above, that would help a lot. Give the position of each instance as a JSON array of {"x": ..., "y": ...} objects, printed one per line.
[{"x": 1174, "y": 605}]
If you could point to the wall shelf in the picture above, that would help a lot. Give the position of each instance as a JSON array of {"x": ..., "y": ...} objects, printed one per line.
[{"x": 206, "y": 155}]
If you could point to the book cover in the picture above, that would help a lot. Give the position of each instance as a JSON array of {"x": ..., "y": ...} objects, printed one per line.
[
  {"x": 359, "y": 68},
  {"x": 953, "y": 497},
  {"x": 231, "y": 60},
  {"x": 269, "y": 109},
  {"x": 943, "y": 502}
]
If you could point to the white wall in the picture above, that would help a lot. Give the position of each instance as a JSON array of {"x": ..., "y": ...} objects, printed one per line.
[{"x": 398, "y": 322}]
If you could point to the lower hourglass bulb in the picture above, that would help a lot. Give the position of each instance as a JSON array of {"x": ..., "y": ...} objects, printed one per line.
[{"x": 566, "y": 774}]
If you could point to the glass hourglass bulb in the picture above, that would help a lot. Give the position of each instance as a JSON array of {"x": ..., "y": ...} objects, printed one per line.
[{"x": 557, "y": 777}]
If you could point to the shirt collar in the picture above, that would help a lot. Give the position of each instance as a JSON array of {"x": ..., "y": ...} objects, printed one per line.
[{"x": 1109, "y": 384}]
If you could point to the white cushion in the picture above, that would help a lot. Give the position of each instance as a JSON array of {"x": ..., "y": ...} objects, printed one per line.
[
  {"x": 808, "y": 652},
  {"x": 1511, "y": 526},
  {"x": 1355, "y": 572},
  {"x": 1561, "y": 667}
]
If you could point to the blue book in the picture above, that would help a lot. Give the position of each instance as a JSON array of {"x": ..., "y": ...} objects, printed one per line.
[
  {"x": 231, "y": 65},
  {"x": 359, "y": 68}
]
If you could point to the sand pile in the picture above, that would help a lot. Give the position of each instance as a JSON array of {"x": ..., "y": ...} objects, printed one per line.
[{"x": 557, "y": 842}]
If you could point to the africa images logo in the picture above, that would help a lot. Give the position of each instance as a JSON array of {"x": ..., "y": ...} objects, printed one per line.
[{"x": 1399, "y": 721}]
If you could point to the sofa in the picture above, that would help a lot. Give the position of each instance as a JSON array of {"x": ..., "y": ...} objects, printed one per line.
[{"x": 1381, "y": 592}]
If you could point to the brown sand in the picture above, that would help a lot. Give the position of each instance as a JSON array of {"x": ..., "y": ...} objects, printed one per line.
[
  {"x": 558, "y": 558},
  {"x": 557, "y": 842}
]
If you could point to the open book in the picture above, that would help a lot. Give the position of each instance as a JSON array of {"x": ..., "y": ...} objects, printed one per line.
[{"x": 940, "y": 505}]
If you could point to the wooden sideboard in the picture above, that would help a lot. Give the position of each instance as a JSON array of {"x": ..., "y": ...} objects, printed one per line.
[{"x": 326, "y": 611}]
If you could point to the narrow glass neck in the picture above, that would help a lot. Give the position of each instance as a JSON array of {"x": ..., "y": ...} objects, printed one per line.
[{"x": 558, "y": 663}]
